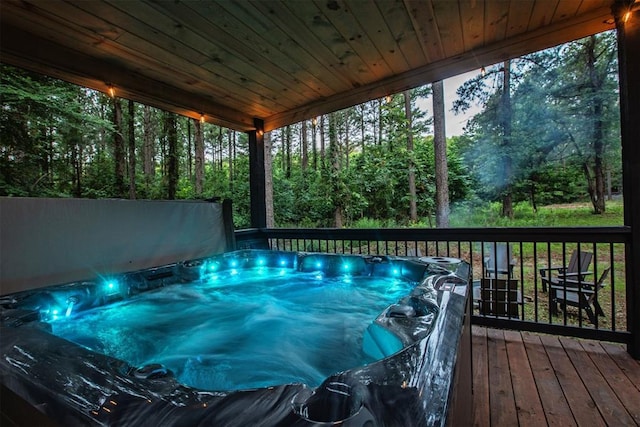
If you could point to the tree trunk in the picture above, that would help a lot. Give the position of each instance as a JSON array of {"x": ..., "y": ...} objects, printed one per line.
[
  {"x": 163, "y": 148},
  {"x": 132, "y": 151},
  {"x": 322, "y": 157},
  {"x": 199, "y": 156},
  {"x": 76, "y": 158},
  {"x": 118, "y": 148},
  {"x": 338, "y": 201},
  {"x": 220, "y": 145},
  {"x": 231, "y": 170},
  {"x": 48, "y": 170},
  {"x": 379, "y": 121},
  {"x": 189, "y": 152},
  {"x": 172, "y": 165},
  {"x": 597, "y": 132},
  {"x": 305, "y": 142},
  {"x": 507, "y": 200},
  {"x": 440, "y": 151},
  {"x": 148, "y": 148},
  {"x": 532, "y": 194},
  {"x": 287, "y": 152},
  {"x": 413, "y": 208},
  {"x": 314, "y": 124},
  {"x": 268, "y": 180},
  {"x": 362, "y": 128},
  {"x": 347, "y": 147}
]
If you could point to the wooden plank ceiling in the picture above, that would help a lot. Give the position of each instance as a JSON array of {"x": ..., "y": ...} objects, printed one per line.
[{"x": 279, "y": 61}]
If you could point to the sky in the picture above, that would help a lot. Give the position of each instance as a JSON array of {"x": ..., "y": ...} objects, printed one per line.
[{"x": 454, "y": 123}]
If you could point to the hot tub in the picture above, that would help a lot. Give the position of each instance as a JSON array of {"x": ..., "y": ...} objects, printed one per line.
[{"x": 162, "y": 346}]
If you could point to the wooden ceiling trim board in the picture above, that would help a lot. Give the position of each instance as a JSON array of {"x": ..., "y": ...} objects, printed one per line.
[
  {"x": 472, "y": 15},
  {"x": 284, "y": 21},
  {"x": 359, "y": 40},
  {"x": 587, "y": 5},
  {"x": 288, "y": 23},
  {"x": 106, "y": 49},
  {"x": 422, "y": 27},
  {"x": 234, "y": 55},
  {"x": 447, "y": 16},
  {"x": 565, "y": 10},
  {"x": 140, "y": 28},
  {"x": 542, "y": 14},
  {"x": 426, "y": 28},
  {"x": 293, "y": 55},
  {"x": 496, "y": 16},
  {"x": 48, "y": 25},
  {"x": 143, "y": 37},
  {"x": 522, "y": 44},
  {"x": 403, "y": 31},
  {"x": 91, "y": 72},
  {"x": 519, "y": 13},
  {"x": 272, "y": 41},
  {"x": 62, "y": 13},
  {"x": 378, "y": 31},
  {"x": 112, "y": 49},
  {"x": 322, "y": 30},
  {"x": 202, "y": 74},
  {"x": 223, "y": 27}
]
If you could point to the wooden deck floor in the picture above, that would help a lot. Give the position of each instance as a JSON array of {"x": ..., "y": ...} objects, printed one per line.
[{"x": 526, "y": 379}]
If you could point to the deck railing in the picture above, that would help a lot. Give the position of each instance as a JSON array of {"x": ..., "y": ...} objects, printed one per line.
[{"x": 530, "y": 252}]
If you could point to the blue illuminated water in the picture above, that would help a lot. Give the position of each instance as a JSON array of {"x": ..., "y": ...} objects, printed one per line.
[{"x": 242, "y": 329}]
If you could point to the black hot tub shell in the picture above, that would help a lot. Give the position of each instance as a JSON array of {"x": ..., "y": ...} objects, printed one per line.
[{"x": 423, "y": 381}]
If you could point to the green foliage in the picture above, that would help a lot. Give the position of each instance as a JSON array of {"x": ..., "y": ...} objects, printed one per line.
[
  {"x": 45, "y": 126},
  {"x": 555, "y": 110},
  {"x": 56, "y": 140},
  {"x": 370, "y": 223}
]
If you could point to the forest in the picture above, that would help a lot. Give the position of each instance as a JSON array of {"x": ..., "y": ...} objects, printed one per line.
[{"x": 548, "y": 132}]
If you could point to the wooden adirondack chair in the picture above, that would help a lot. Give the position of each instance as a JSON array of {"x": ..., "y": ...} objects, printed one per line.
[
  {"x": 579, "y": 294},
  {"x": 500, "y": 297},
  {"x": 500, "y": 261},
  {"x": 577, "y": 269}
]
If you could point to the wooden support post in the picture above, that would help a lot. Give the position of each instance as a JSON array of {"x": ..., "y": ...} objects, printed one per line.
[
  {"x": 628, "y": 28},
  {"x": 257, "y": 176}
]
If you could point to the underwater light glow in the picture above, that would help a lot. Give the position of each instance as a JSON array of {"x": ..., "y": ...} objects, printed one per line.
[
  {"x": 318, "y": 264},
  {"x": 261, "y": 261},
  {"x": 346, "y": 266},
  {"x": 234, "y": 263},
  {"x": 283, "y": 262},
  {"x": 111, "y": 287},
  {"x": 396, "y": 271}
]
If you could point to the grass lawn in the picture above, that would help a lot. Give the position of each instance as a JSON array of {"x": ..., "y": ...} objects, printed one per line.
[{"x": 565, "y": 215}]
